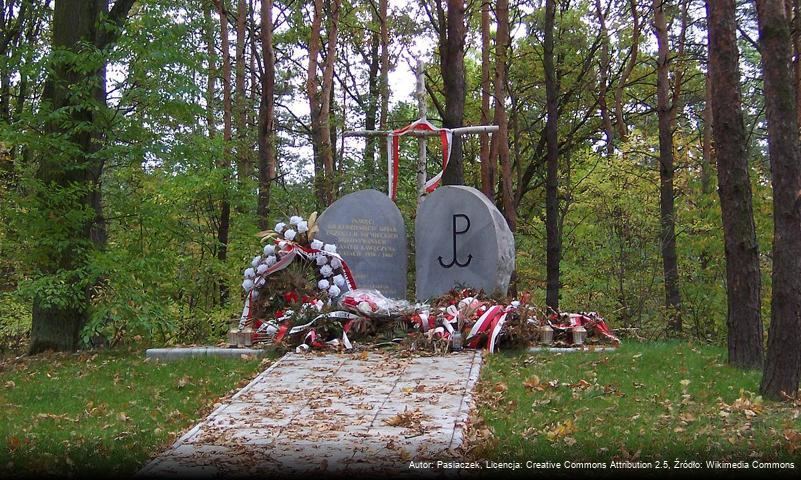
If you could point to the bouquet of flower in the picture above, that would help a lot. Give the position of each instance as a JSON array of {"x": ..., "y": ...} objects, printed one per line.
[{"x": 305, "y": 275}]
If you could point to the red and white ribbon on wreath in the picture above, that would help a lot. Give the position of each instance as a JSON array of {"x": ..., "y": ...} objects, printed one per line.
[
  {"x": 288, "y": 252},
  {"x": 393, "y": 153}
]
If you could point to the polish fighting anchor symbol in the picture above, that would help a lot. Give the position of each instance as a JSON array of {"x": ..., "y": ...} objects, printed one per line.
[{"x": 455, "y": 233}]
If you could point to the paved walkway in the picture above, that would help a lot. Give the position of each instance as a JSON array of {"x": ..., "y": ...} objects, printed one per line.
[{"x": 335, "y": 413}]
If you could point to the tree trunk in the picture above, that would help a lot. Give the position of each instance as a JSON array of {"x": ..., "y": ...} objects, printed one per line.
[
  {"x": 244, "y": 165},
  {"x": 451, "y": 57},
  {"x": 707, "y": 159},
  {"x": 488, "y": 164},
  {"x": 783, "y": 360},
  {"x": 384, "y": 110},
  {"x": 225, "y": 162},
  {"x": 320, "y": 101},
  {"x": 666, "y": 198},
  {"x": 796, "y": 36},
  {"x": 553, "y": 235},
  {"x": 603, "y": 80},
  {"x": 57, "y": 325},
  {"x": 267, "y": 168},
  {"x": 622, "y": 130},
  {"x": 501, "y": 138},
  {"x": 211, "y": 71},
  {"x": 744, "y": 323},
  {"x": 373, "y": 94}
]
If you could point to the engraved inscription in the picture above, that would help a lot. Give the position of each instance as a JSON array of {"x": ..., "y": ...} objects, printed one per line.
[{"x": 363, "y": 238}]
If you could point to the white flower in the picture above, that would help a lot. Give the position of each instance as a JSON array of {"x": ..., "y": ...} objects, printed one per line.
[
  {"x": 260, "y": 282},
  {"x": 262, "y": 268},
  {"x": 303, "y": 226},
  {"x": 330, "y": 248},
  {"x": 269, "y": 249},
  {"x": 326, "y": 271},
  {"x": 335, "y": 263},
  {"x": 321, "y": 260},
  {"x": 290, "y": 234},
  {"x": 323, "y": 284},
  {"x": 254, "y": 295},
  {"x": 280, "y": 226},
  {"x": 256, "y": 260},
  {"x": 250, "y": 273},
  {"x": 334, "y": 291},
  {"x": 247, "y": 285},
  {"x": 282, "y": 245},
  {"x": 270, "y": 261},
  {"x": 365, "y": 308},
  {"x": 339, "y": 281},
  {"x": 316, "y": 244},
  {"x": 294, "y": 220}
]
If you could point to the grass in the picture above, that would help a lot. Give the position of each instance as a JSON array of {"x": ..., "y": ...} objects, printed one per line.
[
  {"x": 108, "y": 412},
  {"x": 647, "y": 402},
  {"x": 104, "y": 413}
]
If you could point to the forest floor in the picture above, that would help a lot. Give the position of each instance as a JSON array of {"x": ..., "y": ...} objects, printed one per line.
[
  {"x": 110, "y": 411},
  {"x": 655, "y": 402},
  {"x": 105, "y": 412}
]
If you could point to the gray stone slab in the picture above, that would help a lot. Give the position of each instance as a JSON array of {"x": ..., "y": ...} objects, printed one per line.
[
  {"x": 370, "y": 235},
  {"x": 330, "y": 424},
  {"x": 461, "y": 240},
  {"x": 178, "y": 353}
]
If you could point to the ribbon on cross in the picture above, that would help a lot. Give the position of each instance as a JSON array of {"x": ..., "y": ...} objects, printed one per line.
[{"x": 393, "y": 153}]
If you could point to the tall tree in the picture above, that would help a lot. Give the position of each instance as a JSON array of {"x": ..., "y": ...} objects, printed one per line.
[
  {"x": 452, "y": 32},
  {"x": 267, "y": 167},
  {"x": 244, "y": 165},
  {"x": 603, "y": 77},
  {"x": 783, "y": 359},
  {"x": 488, "y": 165},
  {"x": 319, "y": 96},
  {"x": 500, "y": 141},
  {"x": 553, "y": 246},
  {"x": 636, "y": 30},
  {"x": 76, "y": 24},
  {"x": 744, "y": 323},
  {"x": 211, "y": 70},
  {"x": 664, "y": 110},
  {"x": 224, "y": 162},
  {"x": 372, "y": 58},
  {"x": 384, "y": 81}
]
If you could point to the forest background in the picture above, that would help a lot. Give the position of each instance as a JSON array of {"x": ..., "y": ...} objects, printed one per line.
[{"x": 199, "y": 123}]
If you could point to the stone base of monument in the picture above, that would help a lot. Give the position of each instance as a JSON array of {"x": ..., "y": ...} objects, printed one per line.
[
  {"x": 170, "y": 354},
  {"x": 572, "y": 349}
]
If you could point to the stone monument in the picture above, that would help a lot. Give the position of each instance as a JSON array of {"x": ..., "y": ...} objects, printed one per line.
[
  {"x": 370, "y": 235},
  {"x": 461, "y": 239}
]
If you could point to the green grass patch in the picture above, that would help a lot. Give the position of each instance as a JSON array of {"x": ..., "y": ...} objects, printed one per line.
[
  {"x": 104, "y": 412},
  {"x": 655, "y": 402}
]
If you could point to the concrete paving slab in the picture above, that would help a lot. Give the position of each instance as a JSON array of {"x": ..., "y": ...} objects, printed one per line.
[{"x": 332, "y": 413}]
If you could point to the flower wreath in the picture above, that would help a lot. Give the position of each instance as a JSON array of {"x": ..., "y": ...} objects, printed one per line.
[{"x": 288, "y": 243}]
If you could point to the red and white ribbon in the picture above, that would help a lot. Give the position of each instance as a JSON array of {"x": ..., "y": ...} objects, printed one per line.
[{"x": 393, "y": 153}]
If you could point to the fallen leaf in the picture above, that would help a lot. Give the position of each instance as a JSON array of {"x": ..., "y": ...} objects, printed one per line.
[
  {"x": 183, "y": 381},
  {"x": 532, "y": 382},
  {"x": 561, "y": 430},
  {"x": 13, "y": 443}
]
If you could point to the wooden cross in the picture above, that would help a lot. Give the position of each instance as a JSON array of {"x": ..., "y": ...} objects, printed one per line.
[{"x": 422, "y": 134}]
